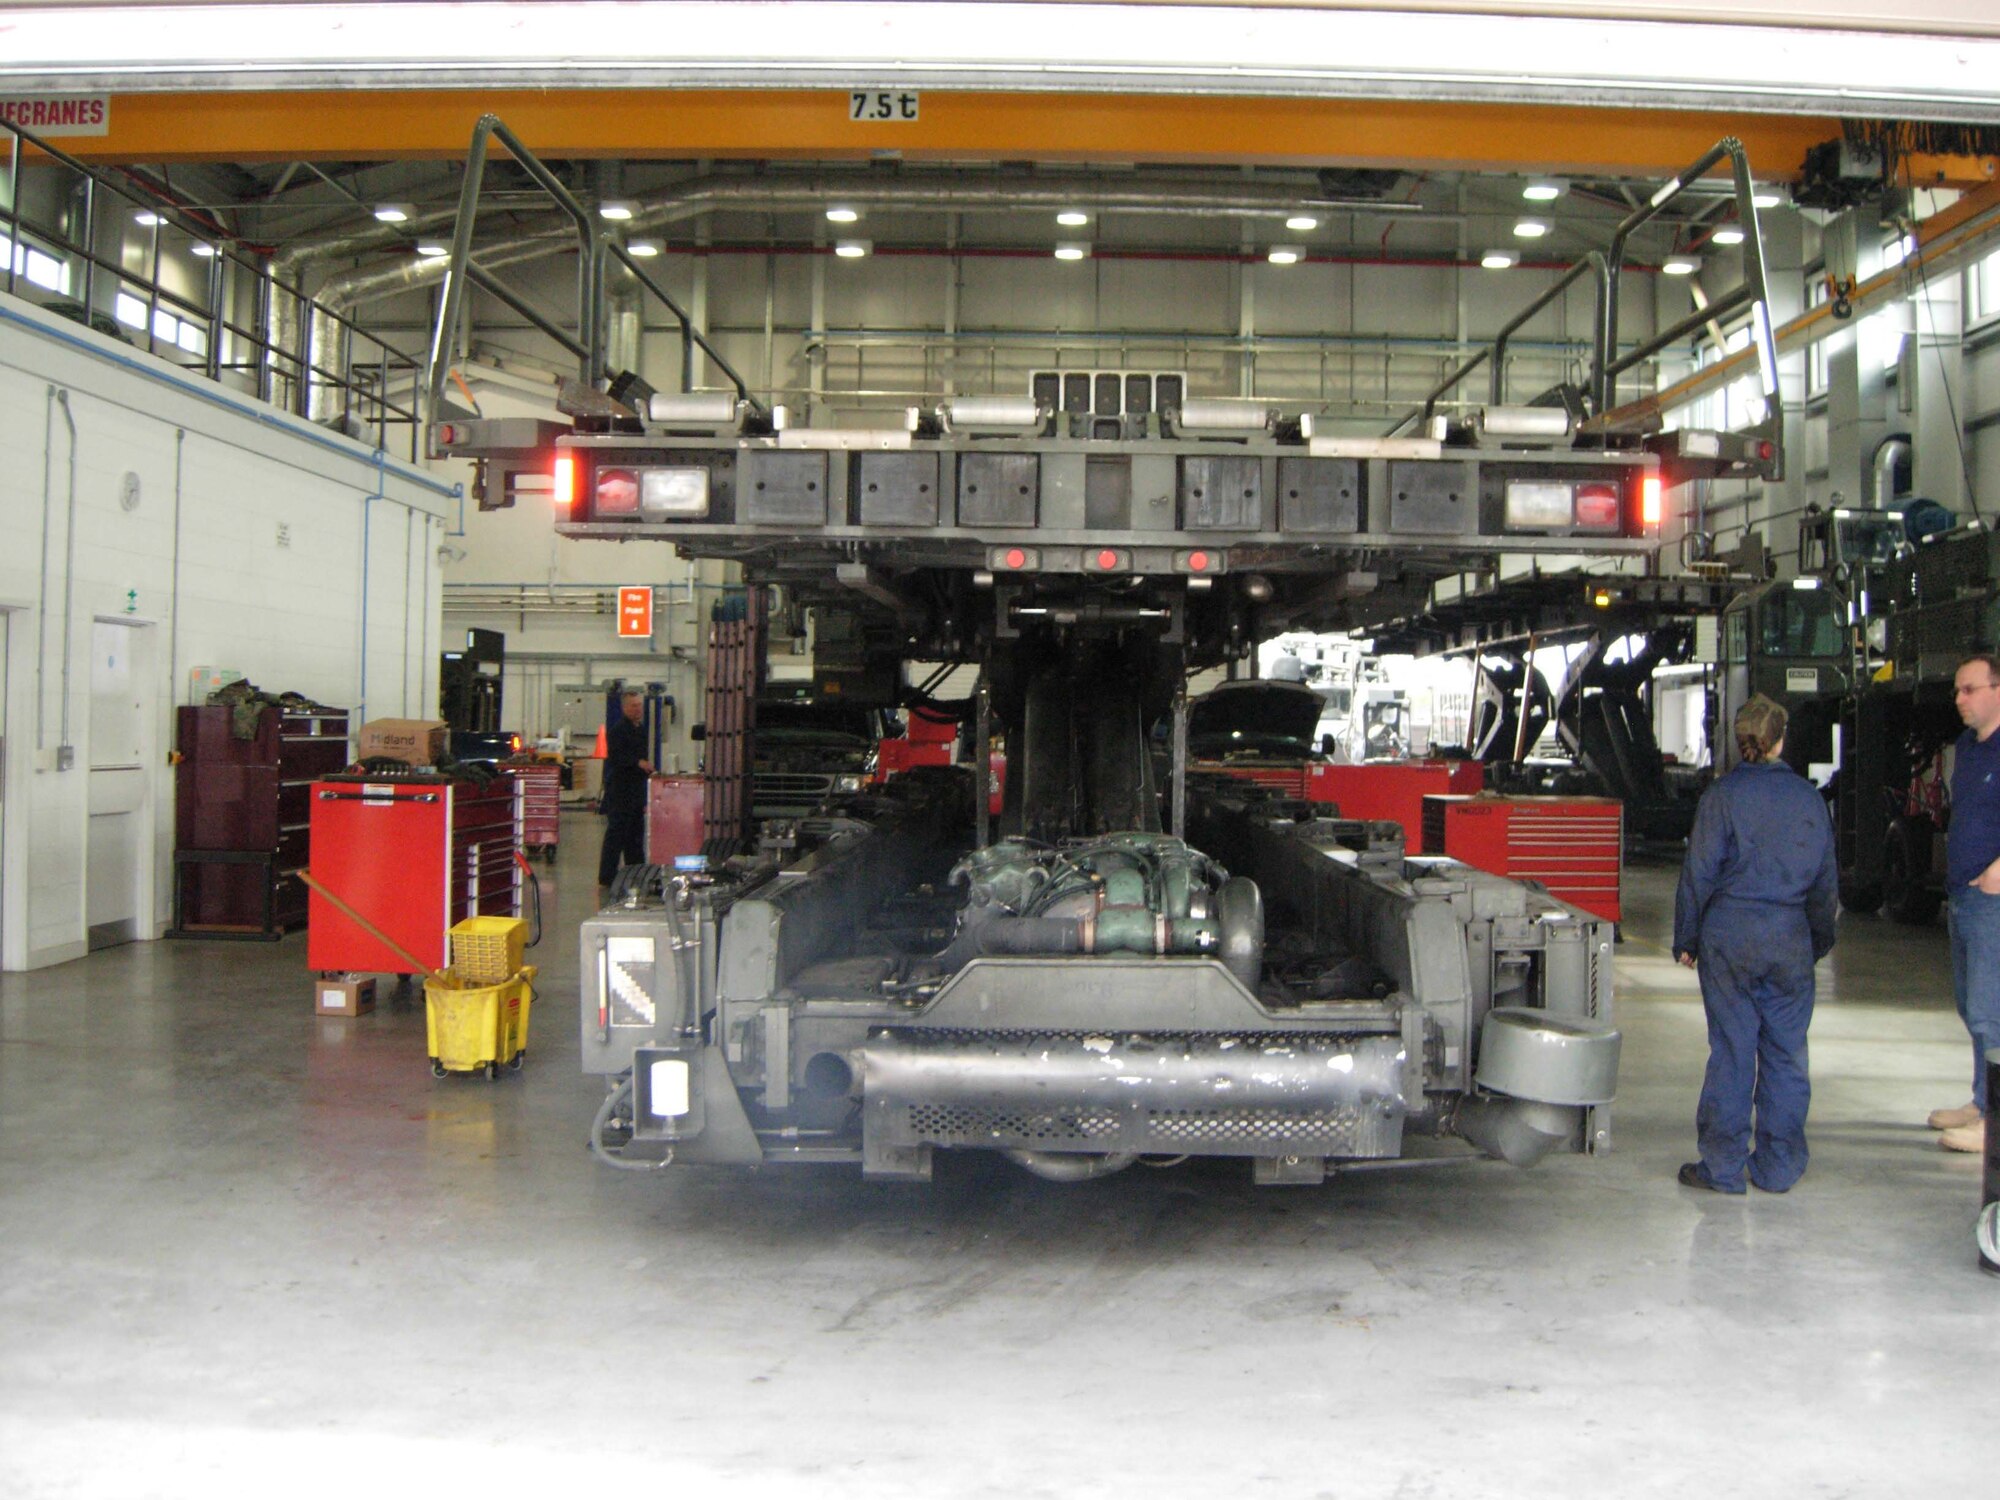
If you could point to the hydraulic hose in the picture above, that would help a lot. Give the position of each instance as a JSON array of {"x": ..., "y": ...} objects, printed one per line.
[{"x": 604, "y": 1112}]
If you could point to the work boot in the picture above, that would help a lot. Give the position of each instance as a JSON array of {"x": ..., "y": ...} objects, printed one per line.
[
  {"x": 1953, "y": 1119},
  {"x": 1965, "y": 1137}
]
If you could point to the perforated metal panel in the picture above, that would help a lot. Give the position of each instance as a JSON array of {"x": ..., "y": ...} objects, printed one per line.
[{"x": 1351, "y": 1133}]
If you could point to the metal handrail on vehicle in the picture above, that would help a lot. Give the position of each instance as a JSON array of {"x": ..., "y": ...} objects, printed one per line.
[
  {"x": 1606, "y": 363},
  {"x": 301, "y": 370},
  {"x": 593, "y": 251}
]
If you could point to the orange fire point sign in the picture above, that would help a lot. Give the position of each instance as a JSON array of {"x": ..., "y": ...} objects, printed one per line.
[{"x": 635, "y": 611}]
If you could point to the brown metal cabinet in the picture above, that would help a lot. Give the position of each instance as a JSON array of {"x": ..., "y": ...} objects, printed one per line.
[{"x": 242, "y": 817}]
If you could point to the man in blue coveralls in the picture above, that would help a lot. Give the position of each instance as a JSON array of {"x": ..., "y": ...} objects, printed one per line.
[
  {"x": 1972, "y": 876},
  {"x": 1754, "y": 912},
  {"x": 626, "y": 771}
]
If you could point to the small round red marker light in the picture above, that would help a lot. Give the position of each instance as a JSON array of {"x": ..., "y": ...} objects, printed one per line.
[
  {"x": 1107, "y": 559},
  {"x": 1197, "y": 562},
  {"x": 1016, "y": 558},
  {"x": 1767, "y": 450}
]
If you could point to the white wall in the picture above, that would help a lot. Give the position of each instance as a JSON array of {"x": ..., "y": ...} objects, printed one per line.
[{"x": 344, "y": 608}]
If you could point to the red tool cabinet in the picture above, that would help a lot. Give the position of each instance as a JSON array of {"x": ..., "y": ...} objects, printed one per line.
[
  {"x": 412, "y": 854},
  {"x": 1572, "y": 845},
  {"x": 673, "y": 817},
  {"x": 1395, "y": 791},
  {"x": 541, "y": 807}
]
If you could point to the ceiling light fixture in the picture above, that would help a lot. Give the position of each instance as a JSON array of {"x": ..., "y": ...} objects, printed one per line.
[
  {"x": 1544, "y": 189},
  {"x": 1530, "y": 229},
  {"x": 1303, "y": 223},
  {"x": 1679, "y": 265},
  {"x": 1072, "y": 250},
  {"x": 1728, "y": 234},
  {"x": 145, "y": 218},
  {"x": 617, "y": 210},
  {"x": 432, "y": 249},
  {"x": 644, "y": 249},
  {"x": 1766, "y": 197},
  {"x": 206, "y": 252},
  {"x": 1500, "y": 260},
  {"x": 1072, "y": 218},
  {"x": 853, "y": 249},
  {"x": 395, "y": 213},
  {"x": 840, "y": 213},
  {"x": 1286, "y": 255}
]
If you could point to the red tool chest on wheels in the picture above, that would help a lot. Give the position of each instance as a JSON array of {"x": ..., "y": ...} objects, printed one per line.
[
  {"x": 412, "y": 854},
  {"x": 1572, "y": 845},
  {"x": 541, "y": 807}
]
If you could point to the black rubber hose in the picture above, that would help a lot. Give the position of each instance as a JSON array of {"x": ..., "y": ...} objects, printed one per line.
[
  {"x": 1012, "y": 935},
  {"x": 604, "y": 1112}
]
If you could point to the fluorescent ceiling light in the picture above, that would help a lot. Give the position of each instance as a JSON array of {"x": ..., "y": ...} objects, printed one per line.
[
  {"x": 1766, "y": 197},
  {"x": 145, "y": 218},
  {"x": 841, "y": 214},
  {"x": 617, "y": 210},
  {"x": 1303, "y": 223},
  {"x": 1679, "y": 265},
  {"x": 1530, "y": 229},
  {"x": 643, "y": 249},
  {"x": 1500, "y": 260},
  {"x": 1071, "y": 250},
  {"x": 853, "y": 249},
  {"x": 432, "y": 249},
  {"x": 1544, "y": 190},
  {"x": 1728, "y": 234},
  {"x": 395, "y": 213},
  {"x": 1072, "y": 218},
  {"x": 206, "y": 252},
  {"x": 1286, "y": 255}
]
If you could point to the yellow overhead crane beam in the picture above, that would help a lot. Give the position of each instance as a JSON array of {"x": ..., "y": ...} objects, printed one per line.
[{"x": 955, "y": 125}]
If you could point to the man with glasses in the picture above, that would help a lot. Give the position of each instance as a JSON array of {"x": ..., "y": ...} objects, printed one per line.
[{"x": 1972, "y": 875}]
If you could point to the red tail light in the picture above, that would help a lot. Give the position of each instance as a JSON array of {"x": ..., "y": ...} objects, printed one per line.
[
  {"x": 1649, "y": 500},
  {"x": 1597, "y": 506},
  {"x": 563, "y": 492}
]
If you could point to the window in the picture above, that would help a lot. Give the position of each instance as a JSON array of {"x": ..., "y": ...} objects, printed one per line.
[
  {"x": 1816, "y": 371},
  {"x": 1802, "y": 622},
  {"x": 130, "y": 309},
  {"x": 37, "y": 267},
  {"x": 1983, "y": 290}
]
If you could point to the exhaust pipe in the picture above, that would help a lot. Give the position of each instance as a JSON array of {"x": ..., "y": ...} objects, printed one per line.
[
  {"x": 1518, "y": 1131},
  {"x": 1070, "y": 1166}
]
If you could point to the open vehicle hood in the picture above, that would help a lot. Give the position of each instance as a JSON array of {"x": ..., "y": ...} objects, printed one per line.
[{"x": 1255, "y": 711}]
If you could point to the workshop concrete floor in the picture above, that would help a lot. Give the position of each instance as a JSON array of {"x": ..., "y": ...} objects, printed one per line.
[{"x": 243, "y": 1247}]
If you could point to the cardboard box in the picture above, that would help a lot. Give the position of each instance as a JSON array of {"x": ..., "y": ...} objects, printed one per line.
[
  {"x": 415, "y": 742},
  {"x": 353, "y": 996}
]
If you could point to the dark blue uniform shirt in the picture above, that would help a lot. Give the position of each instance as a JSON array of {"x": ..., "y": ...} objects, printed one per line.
[
  {"x": 1761, "y": 835},
  {"x": 1974, "y": 842},
  {"x": 624, "y": 782}
]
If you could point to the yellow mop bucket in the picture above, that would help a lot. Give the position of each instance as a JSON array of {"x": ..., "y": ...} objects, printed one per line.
[{"x": 477, "y": 1026}]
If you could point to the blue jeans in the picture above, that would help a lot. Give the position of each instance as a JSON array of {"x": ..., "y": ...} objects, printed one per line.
[{"x": 1974, "y": 917}]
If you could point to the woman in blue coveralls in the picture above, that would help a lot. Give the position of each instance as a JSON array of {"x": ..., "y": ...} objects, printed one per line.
[{"x": 1754, "y": 912}]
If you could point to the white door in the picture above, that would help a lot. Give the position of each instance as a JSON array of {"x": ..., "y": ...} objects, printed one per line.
[{"x": 118, "y": 880}]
